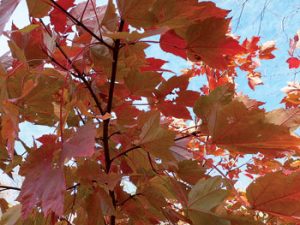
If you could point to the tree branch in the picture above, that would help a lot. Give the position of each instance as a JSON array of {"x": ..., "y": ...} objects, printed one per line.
[
  {"x": 5, "y": 188},
  {"x": 137, "y": 146},
  {"x": 110, "y": 99},
  {"x": 127, "y": 199},
  {"x": 116, "y": 50},
  {"x": 78, "y": 74},
  {"x": 78, "y": 23}
]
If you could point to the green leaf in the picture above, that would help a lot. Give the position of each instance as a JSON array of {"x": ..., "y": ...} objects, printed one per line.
[
  {"x": 207, "y": 194},
  {"x": 155, "y": 139},
  {"x": 38, "y": 8},
  {"x": 11, "y": 216},
  {"x": 142, "y": 84},
  {"x": 206, "y": 218},
  {"x": 190, "y": 171}
]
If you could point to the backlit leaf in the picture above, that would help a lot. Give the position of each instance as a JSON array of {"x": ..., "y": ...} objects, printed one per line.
[
  {"x": 7, "y": 8},
  {"x": 155, "y": 139},
  {"x": 277, "y": 194},
  {"x": 207, "y": 194},
  {"x": 172, "y": 43},
  {"x": 207, "y": 41},
  {"x": 44, "y": 180},
  {"x": 81, "y": 144},
  {"x": 38, "y": 8}
]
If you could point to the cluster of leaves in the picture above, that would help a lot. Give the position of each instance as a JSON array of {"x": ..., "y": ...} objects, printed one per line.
[
  {"x": 85, "y": 73},
  {"x": 292, "y": 98}
]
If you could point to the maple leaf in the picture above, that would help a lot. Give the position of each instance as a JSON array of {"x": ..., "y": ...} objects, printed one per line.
[
  {"x": 285, "y": 117},
  {"x": 175, "y": 82},
  {"x": 292, "y": 92},
  {"x": 11, "y": 216},
  {"x": 137, "y": 156},
  {"x": 206, "y": 194},
  {"x": 58, "y": 18},
  {"x": 172, "y": 43},
  {"x": 44, "y": 176},
  {"x": 254, "y": 79},
  {"x": 276, "y": 193},
  {"x": 30, "y": 41},
  {"x": 44, "y": 180},
  {"x": 155, "y": 139},
  {"x": 207, "y": 41},
  {"x": 293, "y": 62},
  {"x": 10, "y": 127},
  {"x": 142, "y": 83},
  {"x": 228, "y": 128},
  {"x": 153, "y": 64},
  {"x": 265, "y": 51},
  {"x": 169, "y": 108},
  {"x": 89, "y": 14},
  {"x": 81, "y": 144},
  {"x": 38, "y": 8},
  {"x": 190, "y": 171}
]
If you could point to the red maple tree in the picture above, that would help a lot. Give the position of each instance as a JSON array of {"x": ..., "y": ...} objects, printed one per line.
[{"x": 117, "y": 119}]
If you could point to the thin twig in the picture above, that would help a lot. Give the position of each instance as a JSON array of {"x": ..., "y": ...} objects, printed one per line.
[
  {"x": 5, "y": 188},
  {"x": 151, "y": 163},
  {"x": 125, "y": 152},
  {"x": 78, "y": 23},
  {"x": 129, "y": 198},
  {"x": 78, "y": 74}
]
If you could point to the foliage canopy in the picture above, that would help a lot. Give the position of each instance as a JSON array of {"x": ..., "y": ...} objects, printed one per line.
[{"x": 117, "y": 119}]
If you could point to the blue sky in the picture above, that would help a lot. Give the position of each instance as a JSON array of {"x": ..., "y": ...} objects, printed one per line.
[{"x": 276, "y": 20}]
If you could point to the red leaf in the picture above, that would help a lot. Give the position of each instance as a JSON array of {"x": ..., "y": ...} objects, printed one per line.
[
  {"x": 251, "y": 45},
  {"x": 153, "y": 64},
  {"x": 174, "y": 82},
  {"x": 172, "y": 43},
  {"x": 266, "y": 50},
  {"x": 58, "y": 18},
  {"x": 82, "y": 144},
  {"x": 277, "y": 194},
  {"x": 175, "y": 110},
  {"x": 207, "y": 41},
  {"x": 187, "y": 97},
  {"x": 44, "y": 181},
  {"x": 293, "y": 62},
  {"x": 44, "y": 176},
  {"x": 66, "y": 4}
]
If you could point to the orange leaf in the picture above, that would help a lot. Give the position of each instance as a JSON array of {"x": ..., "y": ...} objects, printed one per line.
[{"x": 277, "y": 194}]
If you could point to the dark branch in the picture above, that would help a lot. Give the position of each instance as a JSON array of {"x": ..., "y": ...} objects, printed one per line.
[
  {"x": 108, "y": 161},
  {"x": 110, "y": 99},
  {"x": 127, "y": 199},
  {"x": 125, "y": 152},
  {"x": 6, "y": 188}
]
